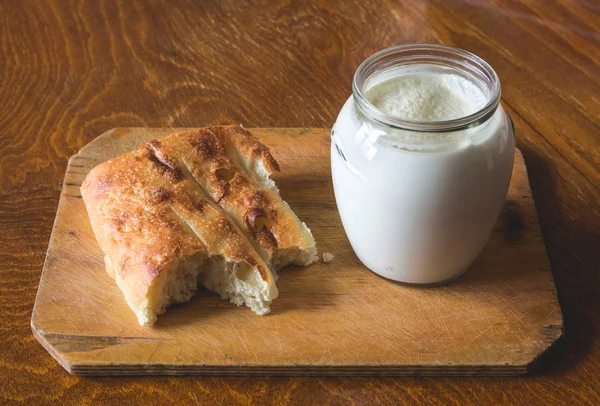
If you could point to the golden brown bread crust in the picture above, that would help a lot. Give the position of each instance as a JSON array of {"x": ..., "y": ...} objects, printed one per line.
[
  {"x": 226, "y": 161},
  {"x": 148, "y": 213}
]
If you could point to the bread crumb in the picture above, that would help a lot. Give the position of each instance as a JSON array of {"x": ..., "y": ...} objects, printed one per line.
[{"x": 328, "y": 257}]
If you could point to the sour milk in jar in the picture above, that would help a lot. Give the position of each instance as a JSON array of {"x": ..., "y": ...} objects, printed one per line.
[{"x": 421, "y": 159}]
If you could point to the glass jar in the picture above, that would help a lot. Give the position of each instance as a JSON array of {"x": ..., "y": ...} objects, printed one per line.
[{"x": 419, "y": 199}]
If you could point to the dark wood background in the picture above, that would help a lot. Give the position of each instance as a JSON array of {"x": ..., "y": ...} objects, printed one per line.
[{"x": 70, "y": 70}]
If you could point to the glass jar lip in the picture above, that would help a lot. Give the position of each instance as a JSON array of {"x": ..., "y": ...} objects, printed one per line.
[{"x": 426, "y": 53}]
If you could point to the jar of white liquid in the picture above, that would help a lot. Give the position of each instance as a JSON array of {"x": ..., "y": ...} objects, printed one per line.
[{"x": 421, "y": 159}]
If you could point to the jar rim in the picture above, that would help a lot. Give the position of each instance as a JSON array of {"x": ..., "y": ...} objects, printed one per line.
[{"x": 425, "y": 53}]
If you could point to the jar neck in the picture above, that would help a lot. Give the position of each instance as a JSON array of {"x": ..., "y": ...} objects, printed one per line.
[{"x": 462, "y": 62}]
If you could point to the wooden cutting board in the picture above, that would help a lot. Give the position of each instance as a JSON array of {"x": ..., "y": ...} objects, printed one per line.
[{"x": 330, "y": 319}]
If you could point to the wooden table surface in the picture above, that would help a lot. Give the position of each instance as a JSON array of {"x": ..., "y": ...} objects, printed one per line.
[{"x": 70, "y": 70}]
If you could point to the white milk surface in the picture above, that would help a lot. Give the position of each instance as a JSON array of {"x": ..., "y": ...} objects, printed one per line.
[{"x": 427, "y": 96}]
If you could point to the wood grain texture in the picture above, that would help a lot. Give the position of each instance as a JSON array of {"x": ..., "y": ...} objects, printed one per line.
[
  {"x": 330, "y": 319},
  {"x": 70, "y": 70}
]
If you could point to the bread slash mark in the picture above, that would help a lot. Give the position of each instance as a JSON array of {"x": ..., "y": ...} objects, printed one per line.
[{"x": 165, "y": 166}]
